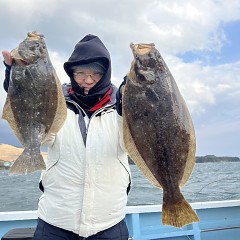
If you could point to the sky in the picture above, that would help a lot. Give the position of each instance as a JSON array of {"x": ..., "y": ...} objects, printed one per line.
[{"x": 199, "y": 41}]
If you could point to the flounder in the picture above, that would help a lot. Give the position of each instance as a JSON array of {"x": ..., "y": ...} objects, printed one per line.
[
  {"x": 158, "y": 131},
  {"x": 35, "y": 106}
]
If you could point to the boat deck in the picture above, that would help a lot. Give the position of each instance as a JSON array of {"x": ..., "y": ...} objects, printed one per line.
[{"x": 218, "y": 221}]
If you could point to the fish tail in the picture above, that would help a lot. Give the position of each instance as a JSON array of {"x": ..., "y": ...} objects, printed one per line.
[
  {"x": 28, "y": 162},
  {"x": 178, "y": 214}
]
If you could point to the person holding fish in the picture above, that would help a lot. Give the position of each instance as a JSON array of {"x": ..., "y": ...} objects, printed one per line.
[{"x": 87, "y": 176}]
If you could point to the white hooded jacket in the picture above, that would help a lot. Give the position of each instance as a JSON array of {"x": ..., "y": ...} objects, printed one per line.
[{"x": 85, "y": 187}]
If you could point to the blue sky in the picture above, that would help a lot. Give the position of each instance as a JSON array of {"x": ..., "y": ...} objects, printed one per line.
[
  {"x": 229, "y": 52},
  {"x": 199, "y": 40}
]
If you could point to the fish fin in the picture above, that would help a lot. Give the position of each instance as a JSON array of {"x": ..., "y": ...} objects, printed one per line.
[
  {"x": 135, "y": 155},
  {"x": 61, "y": 110},
  {"x": 191, "y": 156},
  {"x": 8, "y": 115},
  {"x": 27, "y": 162},
  {"x": 178, "y": 214}
]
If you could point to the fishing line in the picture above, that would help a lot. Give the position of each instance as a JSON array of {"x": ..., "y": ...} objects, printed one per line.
[{"x": 209, "y": 183}]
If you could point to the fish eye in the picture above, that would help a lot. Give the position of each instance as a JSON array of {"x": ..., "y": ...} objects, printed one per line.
[{"x": 32, "y": 48}]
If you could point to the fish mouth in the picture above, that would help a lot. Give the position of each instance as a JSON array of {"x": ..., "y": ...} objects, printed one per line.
[
  {"x": 141, "y": 48},
  {"x": 34, "y": 36},
  {"x": 144, "y": 64},
  {"x": 27, "y": 52},
  {"x": 21, "y": 62},
  {"x": 17, "y": 58}
]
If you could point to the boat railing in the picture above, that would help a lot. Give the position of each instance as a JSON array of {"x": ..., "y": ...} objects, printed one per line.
[{"x": 218, "y": 221}]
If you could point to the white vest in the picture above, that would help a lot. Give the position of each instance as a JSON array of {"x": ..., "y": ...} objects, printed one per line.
[{"x": 85, "y": 186}]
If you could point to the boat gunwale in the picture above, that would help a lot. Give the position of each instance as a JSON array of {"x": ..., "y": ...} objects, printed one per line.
[{"x": 29, "y": 215}]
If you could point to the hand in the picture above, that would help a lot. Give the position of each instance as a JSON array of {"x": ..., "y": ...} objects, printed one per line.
[
  {"x": 122, "y": 89},
  {"x": 122, "y": 86},
  {"x": 7, "y": 57}
]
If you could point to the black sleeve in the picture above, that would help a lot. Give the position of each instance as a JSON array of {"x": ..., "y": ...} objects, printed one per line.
[
  {"x": 40, "y": 185},
  {"x": 119, "y": 97},
  {"x": 7, "y": 77}
]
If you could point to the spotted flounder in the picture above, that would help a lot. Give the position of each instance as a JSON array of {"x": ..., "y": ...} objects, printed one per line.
[
  {"x": 35, "y": 106},
  {"x": 158, "y": 131}
]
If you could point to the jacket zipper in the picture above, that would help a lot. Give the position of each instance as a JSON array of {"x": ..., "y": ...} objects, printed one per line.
[{"x": 94, "y": 114}]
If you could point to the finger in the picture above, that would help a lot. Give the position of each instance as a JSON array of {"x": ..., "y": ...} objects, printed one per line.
[{"x": 7, "y": 57}]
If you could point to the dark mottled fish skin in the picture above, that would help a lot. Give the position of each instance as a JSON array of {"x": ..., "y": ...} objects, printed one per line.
[
  {"x": 33, "y": 101},
  {"x": 158, "y": 131}
]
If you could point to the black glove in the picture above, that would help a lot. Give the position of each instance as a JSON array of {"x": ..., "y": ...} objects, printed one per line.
[
  {"x": 7, "y": 77},
  {"x": 119, "y": 96}
]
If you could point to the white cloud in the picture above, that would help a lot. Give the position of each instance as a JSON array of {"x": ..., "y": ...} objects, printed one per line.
[
  {"x": 220, "y": 138},
  {"x": 211, "y": 92},
  {"x": 189, "y": 25},
  {"x": 202, "y": 85},
  {"x": 57, "y": 62}
]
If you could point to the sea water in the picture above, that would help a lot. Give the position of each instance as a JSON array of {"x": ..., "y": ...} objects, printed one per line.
[{"x": 208, "y": 182}]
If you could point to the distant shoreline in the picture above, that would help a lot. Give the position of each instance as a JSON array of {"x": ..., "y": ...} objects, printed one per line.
[
  {"x": 9, "y": 153},
  {"x": 207, "y": 158},
  {"x": 212, "y": 158}
]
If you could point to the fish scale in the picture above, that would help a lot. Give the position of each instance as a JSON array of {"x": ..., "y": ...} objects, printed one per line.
[
  {"x": 158, "y": 131},
  {"x": 35, "y": 106}
]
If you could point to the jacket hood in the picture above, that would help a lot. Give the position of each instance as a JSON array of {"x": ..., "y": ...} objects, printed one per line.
[
  {"x": 90, "y": 49},
  {"x": 66, "y": 87}
]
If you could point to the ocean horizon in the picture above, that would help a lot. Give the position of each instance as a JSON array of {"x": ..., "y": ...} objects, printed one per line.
[{"x": 208, "y": 182}]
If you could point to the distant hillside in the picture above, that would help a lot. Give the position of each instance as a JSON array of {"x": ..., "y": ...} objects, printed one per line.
[
  {"x": 213, "y": 158},
  {"x": 209, "y": 158},
  {"x": 10, "y": 153}
]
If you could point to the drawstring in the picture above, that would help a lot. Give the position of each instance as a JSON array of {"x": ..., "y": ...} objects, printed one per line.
[{"x": 106, "y": 99}]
